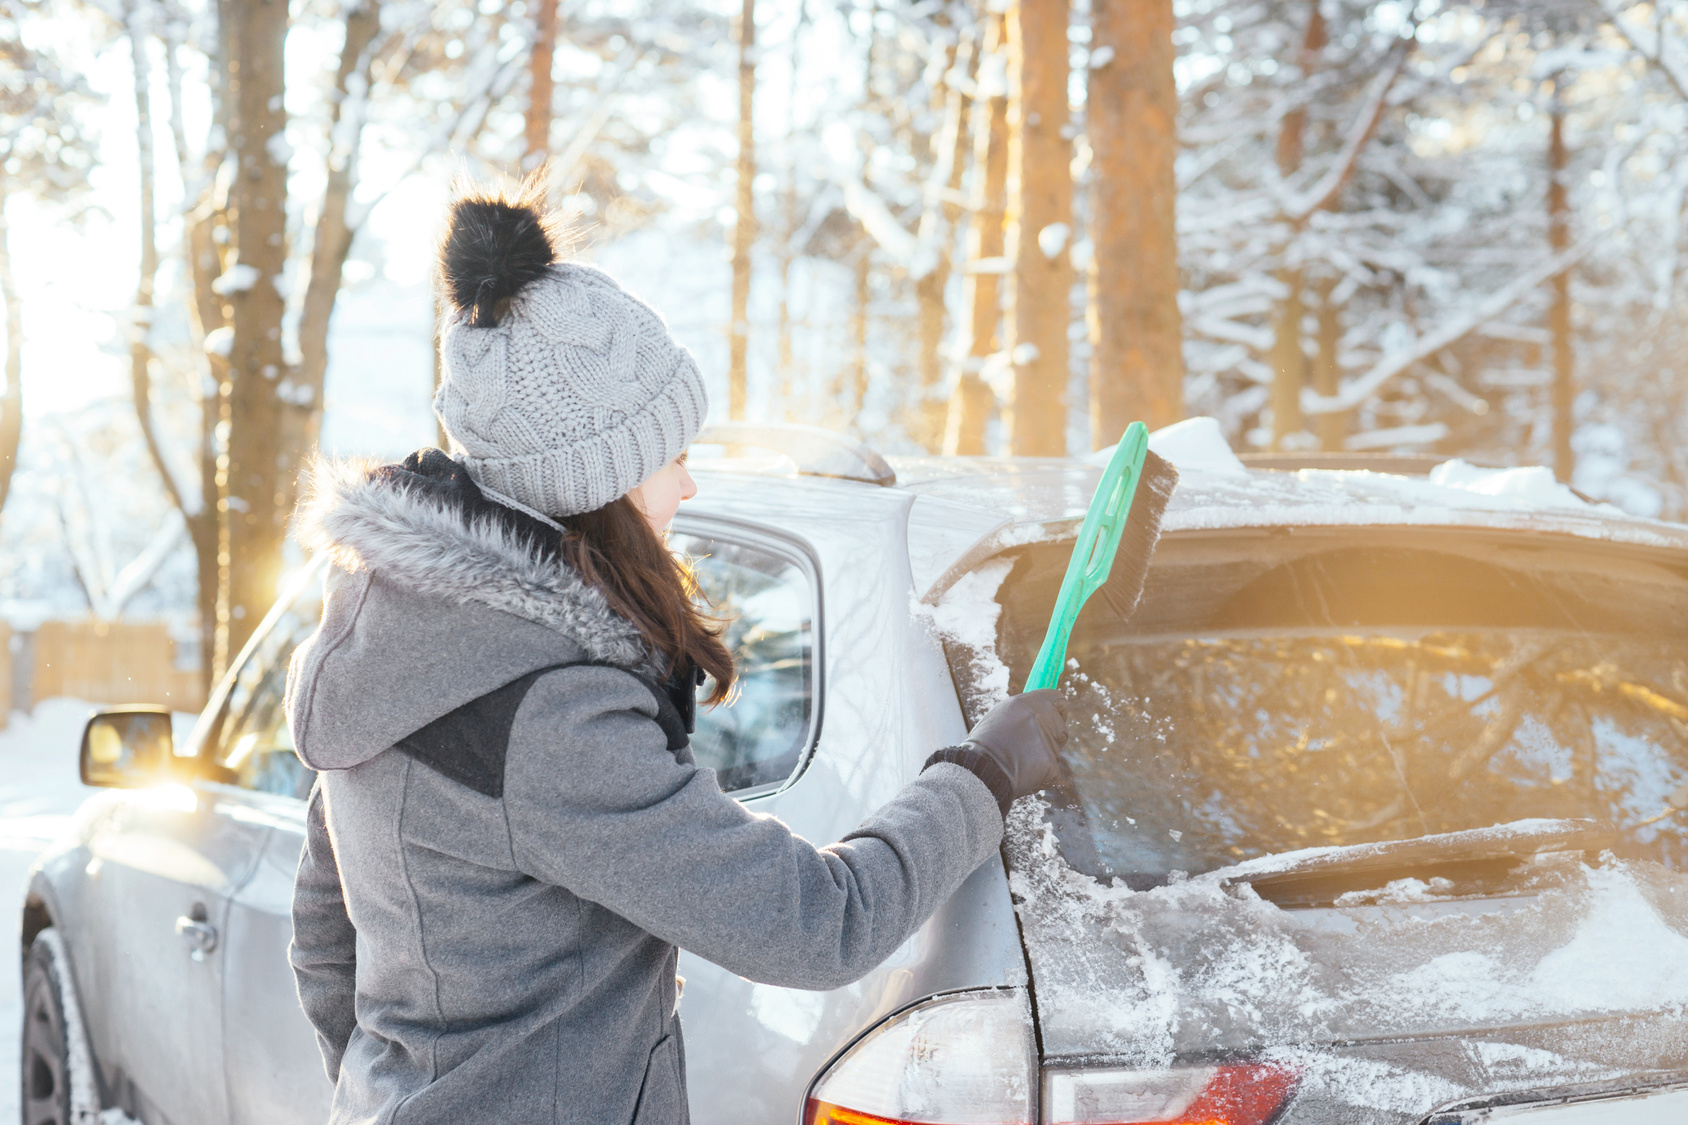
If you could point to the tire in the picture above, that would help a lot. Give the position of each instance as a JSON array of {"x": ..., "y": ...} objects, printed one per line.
[{"x": 48, "y": 1073}]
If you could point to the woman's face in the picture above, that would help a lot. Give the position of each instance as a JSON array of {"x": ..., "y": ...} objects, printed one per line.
[{"x": 659, "y": 497}]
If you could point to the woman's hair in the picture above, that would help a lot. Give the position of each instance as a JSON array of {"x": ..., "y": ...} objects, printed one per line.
[{"x": 616, "y": 549}]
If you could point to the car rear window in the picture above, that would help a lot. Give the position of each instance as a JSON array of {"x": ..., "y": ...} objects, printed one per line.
[{"x": 1281, "y": 691}]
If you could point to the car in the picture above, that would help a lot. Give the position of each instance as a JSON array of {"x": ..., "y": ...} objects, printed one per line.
[{"x": 1373, "y": 811}]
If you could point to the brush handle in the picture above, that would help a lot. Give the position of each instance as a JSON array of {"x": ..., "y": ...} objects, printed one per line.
[{"x": 1093, "y": 554}]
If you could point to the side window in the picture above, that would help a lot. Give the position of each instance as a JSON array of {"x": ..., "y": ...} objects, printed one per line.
[
  {"x": 758, "y": 736},
  {"x": 251, "y": 739}
]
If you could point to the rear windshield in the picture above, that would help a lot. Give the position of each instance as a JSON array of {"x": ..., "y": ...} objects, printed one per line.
[{"x": 1275, "y": 692}]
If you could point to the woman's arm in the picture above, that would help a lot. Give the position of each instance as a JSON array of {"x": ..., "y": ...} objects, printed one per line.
[
  {"x": 324, "y": 947},
  {"x": 598, "y": 804}
]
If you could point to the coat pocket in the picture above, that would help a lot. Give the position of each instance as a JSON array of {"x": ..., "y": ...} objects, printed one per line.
[{"x": 662, "y": 1096}]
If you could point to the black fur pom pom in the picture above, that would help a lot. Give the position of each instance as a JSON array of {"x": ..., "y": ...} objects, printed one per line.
[{"x": 494, "y": 245}]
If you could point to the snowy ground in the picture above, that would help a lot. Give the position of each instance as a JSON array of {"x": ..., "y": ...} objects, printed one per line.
[{"x": 39, "y": 790}]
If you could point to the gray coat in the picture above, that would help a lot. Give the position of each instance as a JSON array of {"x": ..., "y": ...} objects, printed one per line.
[{"x": 511, "y": 958}]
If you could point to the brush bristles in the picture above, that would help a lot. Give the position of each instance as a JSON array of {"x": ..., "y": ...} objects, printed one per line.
[{"x": 1142, "y": 532}]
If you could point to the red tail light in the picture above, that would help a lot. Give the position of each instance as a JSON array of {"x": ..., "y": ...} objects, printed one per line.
[{"x": 1234, "y": 1094}]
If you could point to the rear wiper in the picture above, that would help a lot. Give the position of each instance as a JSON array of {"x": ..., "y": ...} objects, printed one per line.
[{"x": 1484, "y": 856}]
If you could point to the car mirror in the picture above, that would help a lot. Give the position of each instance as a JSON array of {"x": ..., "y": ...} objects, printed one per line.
[{"x": 127, "y": 748}]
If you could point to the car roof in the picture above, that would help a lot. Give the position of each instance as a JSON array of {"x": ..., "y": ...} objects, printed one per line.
[
  {"x": 965, "y": 510},
  {"x": 1051, "y": 490}
]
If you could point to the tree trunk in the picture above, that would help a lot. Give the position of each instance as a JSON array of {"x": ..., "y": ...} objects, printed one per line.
[
  {"x": 970, "y": 407},
  {"x": 540, "y": 87},
  {"x": 1559, "y": 316},
  {"x": 1332, "y": 428},
  {"x": 790, "y": 379},
  {"x": 140, "y": 353},
  {"x": 744, "y": 231},
  {"x": 202, "y": 213},
  {"x": 1288, "y": 363},
  {"x": 1040, "y": 215},
  {"x": 1136, "y": 330},
  {"x": 937, "y": 221},
  {"x": 851, "y": 399},
  {"x": 1292, "y": 133},
  {"x": 333, "y": 236},
  {"x": 11, "y": 398},
  {"x": 252, "y": 490}
]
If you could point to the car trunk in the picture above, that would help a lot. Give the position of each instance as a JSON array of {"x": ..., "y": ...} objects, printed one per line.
[{"x": 1215, "y": 882}]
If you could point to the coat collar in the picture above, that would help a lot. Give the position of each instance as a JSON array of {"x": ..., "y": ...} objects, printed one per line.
[{"x": 424, "y": 523}]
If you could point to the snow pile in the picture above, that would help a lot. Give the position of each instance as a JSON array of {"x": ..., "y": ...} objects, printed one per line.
[
  {"x": 966, "y": 615},
  {"x": 1399, "y": 890},
  {"x": 39, "y": 786},
  {"x": 1196, "y": 967},
  {"x": 1195, "y": 445},
  {"x": 1329, "y": 498},
  {"x": 238, "y": 278},
  {"x": 1532, "y": 485}
]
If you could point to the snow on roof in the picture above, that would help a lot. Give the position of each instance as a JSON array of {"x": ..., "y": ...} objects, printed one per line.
[
  {"x": 1454, "y": 495},
  {"x": 1208, "y": 497},
  {"x": 1041, "y": 500}
]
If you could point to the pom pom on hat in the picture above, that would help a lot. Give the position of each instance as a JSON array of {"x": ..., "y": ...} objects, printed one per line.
[{"x": 495, "y": 244}]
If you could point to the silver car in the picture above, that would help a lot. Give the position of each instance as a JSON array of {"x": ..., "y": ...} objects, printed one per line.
[{"x": 1374, "y": 811}]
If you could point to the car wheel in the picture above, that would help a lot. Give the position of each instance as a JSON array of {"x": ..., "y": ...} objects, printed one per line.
[{"x": 46, "y": 1097}]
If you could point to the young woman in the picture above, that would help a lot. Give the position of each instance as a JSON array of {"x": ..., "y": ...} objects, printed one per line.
[{"x": 509, "y": 837}]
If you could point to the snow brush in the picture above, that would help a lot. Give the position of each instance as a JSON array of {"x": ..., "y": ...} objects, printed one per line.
[{"x": 1128, "y": 507}]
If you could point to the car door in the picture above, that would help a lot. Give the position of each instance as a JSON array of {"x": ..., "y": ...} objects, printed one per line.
[
  {"x": 165, "y": 867},
  {"x": 274, "y": 1071},
  {"x": 739, "y": 1064}
]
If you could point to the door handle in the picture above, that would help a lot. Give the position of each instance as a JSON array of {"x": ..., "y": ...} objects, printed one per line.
[{"x": 201, "y": 936}]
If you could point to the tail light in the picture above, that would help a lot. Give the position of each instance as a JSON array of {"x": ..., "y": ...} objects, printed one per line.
[
  {"x": 1237, "y": 1094},
  {"x": 963, "y": 1059}
]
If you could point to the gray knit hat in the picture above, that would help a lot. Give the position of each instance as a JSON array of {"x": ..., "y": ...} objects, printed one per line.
[{"x": 559, "y": 390}]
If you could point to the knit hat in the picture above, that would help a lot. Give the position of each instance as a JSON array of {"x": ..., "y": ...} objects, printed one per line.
[{"x": 559, "y": 390}]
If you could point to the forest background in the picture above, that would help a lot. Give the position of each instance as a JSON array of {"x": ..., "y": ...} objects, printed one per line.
[{"x": 998, "y": 227}]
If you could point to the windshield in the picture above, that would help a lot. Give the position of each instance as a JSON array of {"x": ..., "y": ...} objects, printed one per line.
[{"x": 1271, "y": 695}]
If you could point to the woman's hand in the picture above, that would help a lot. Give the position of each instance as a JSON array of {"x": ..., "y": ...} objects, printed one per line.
[{"x": 1023, "y": 735}]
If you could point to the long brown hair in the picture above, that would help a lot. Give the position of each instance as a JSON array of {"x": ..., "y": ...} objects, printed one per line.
[{"x": 616, "y": 549}]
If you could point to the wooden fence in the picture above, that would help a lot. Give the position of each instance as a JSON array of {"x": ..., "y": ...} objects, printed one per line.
[{"x": 110, "y": 662}]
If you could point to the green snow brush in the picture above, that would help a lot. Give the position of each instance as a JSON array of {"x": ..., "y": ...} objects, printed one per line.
[{"x": 1128, "y": 506}]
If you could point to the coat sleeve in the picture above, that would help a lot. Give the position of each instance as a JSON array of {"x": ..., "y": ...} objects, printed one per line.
[
  {"x": 324, "y": 947},
  {"x": 598, "y": 804}
]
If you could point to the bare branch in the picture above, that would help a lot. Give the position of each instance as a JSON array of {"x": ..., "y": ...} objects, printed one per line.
[
  {"x": 1324, "y": 193},
  {"x": 1356, "y": 391},
  {"x": 1656, "y": 57},
  {"x": 333, "y": 236},
  {"x": 137, "y": 26},
  {"x": 560, "y": 168},
  {"x": 142, "y": 569},
  {"x": 468, "y": 119}
]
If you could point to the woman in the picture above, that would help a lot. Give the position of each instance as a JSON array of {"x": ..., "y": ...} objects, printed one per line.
[{"x": 509, "y": 837}]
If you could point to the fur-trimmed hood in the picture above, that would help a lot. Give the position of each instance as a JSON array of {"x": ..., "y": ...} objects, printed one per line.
[{"x": 437, "y": 596}]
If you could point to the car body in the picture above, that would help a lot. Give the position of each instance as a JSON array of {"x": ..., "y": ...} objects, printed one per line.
[{"x": 867, "y": 616}]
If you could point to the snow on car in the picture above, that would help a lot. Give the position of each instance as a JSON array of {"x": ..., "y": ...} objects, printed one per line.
[{"x": 1374, "y": 811}]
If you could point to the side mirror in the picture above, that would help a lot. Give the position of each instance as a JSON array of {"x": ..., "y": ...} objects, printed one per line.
[{"x": 127, "y": 748}]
